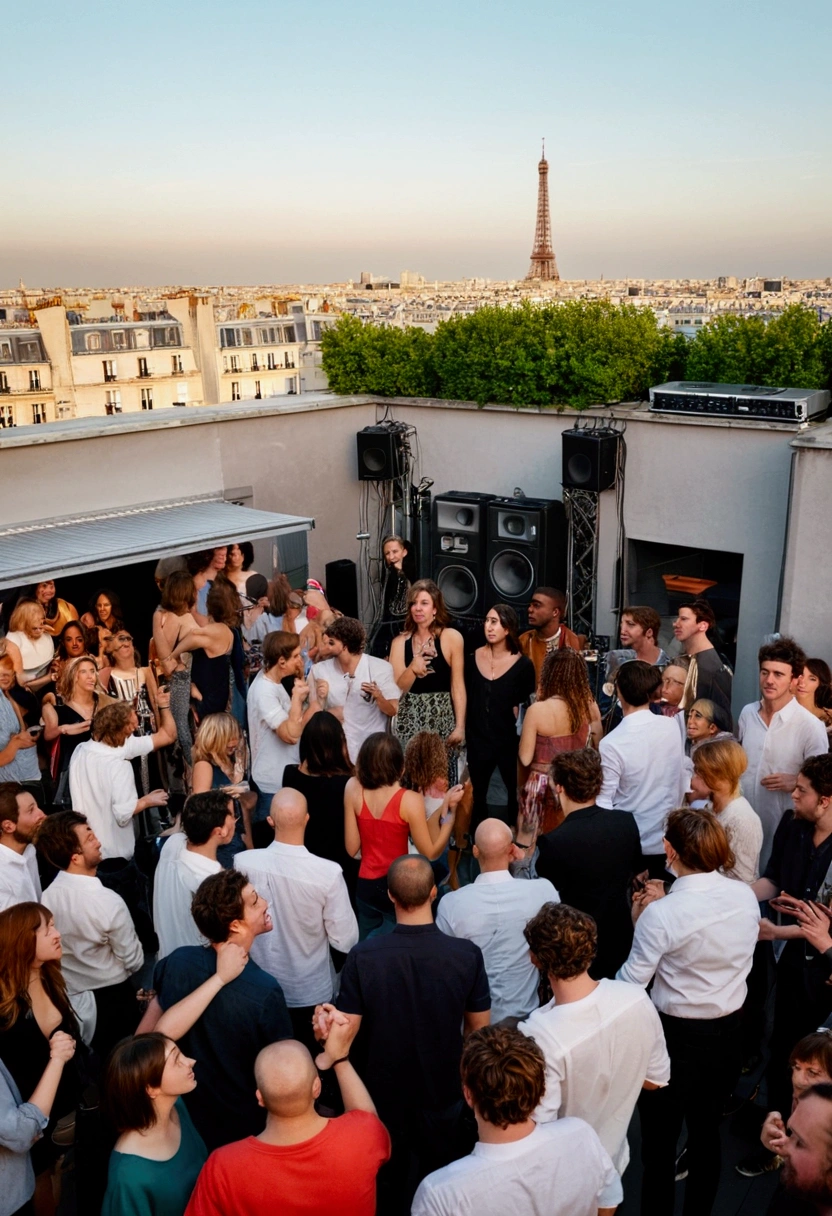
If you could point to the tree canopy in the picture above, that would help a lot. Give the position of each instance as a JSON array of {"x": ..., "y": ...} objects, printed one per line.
[{"x": 578, "y": 353}]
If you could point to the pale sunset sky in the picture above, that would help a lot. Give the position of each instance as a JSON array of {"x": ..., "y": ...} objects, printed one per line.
[{"x": 262, "y": 142}]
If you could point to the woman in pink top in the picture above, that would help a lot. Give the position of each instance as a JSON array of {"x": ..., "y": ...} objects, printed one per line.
[
  {"x": 379, "y": 818},
  {"x": 564, "y": 718}
]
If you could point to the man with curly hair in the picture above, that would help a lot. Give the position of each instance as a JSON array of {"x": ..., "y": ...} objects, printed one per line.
[
  {"x": 359, "y": 689},
  {"x": 602, "y": 1039},
  {"x": 518, "y": 1165}
]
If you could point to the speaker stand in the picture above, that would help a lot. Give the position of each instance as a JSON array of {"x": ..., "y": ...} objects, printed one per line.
[{"x": 582, "y": 558}]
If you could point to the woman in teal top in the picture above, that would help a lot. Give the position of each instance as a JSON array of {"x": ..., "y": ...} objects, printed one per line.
[{"x": 159, "y": 1152}]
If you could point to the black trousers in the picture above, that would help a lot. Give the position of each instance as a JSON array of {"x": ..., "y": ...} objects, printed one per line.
[
  {"x": 704, "y": 1067},
  {"x": 800, "y": 1006},
  {"x": 125, "y": 878},
  {"x": 481, "y": 764},
  {"x": 421, "y": 1141},
  {"x": 118, "y": 1015}
]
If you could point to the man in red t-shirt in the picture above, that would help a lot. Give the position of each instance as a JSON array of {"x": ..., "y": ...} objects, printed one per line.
[{"x": 302, "y": 1164}]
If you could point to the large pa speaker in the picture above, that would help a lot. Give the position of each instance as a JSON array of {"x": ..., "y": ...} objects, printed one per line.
[
  {"x": 342, "y": 586},
  {"x": 590, "y": 458},
  {"x": 377, "y": 454},
  {"x": 458, "y": 545},
  {"x": 526, "y": 548}
]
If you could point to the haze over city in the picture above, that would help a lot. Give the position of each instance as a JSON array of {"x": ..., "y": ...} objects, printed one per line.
[{"x": 205, "y": 144}]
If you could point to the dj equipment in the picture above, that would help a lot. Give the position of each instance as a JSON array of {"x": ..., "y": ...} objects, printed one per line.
[
  {"x": 740, "y": 401},
  {"x": 590, "y": 458},
  {"x": 526, "y": 548},
  {"x": 458, "y": 547},
  {"x": 378, "y": 454}
]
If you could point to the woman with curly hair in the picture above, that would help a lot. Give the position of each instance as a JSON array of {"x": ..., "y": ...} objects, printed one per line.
[
  {"x": 38, "y": 1029},
  {"x": 429, "y": 665},
  {"x": 563, "y": 718}
]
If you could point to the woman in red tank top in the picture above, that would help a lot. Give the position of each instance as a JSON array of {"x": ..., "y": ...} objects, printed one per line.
[{"x": 379, "y": 817}]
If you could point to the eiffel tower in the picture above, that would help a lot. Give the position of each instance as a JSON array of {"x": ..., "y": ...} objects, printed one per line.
[{"x": 543, "y": 264}]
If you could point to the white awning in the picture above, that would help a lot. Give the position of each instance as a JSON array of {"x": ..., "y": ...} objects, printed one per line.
[{"x": 79, "y": 544}]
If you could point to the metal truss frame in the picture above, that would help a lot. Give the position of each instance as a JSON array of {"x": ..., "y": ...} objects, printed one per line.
[{"x": 582, "y": 558}]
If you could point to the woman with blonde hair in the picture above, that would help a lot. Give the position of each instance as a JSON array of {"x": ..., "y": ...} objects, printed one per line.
[
  {"x": 220, "y": 759},
  {"x": 429, "y": 665},
  {"x": 30, "y": 646},
  {"x": 718, "y": 766},
  {"x": 564, "y": 718},
  {"x": 38, "y": 1029},
  {"x": 67, "y": 717}
]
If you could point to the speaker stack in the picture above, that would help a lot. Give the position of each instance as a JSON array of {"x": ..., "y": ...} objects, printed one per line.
[
  {"x": 526, "y": 548},
  {"x": 459, "y": 547},
  {"x": 590, "y": 458}
]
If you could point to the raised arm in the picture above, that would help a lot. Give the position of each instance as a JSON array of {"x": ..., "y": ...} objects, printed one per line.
[
  {"x": 179, "y": 1018},
  {"x": 412, "y": 810}
]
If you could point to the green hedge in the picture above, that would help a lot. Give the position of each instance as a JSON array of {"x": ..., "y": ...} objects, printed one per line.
[{"x": 579, "y": 353}]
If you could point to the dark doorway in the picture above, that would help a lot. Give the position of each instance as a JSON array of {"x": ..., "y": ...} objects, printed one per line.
[{"x": 653, "y": 567}]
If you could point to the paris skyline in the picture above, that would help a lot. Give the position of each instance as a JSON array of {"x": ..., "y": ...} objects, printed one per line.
[{"x": 203, "y": 147}]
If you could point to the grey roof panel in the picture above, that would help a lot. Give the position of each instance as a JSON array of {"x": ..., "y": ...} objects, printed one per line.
[{"x": 57, "y": 548}]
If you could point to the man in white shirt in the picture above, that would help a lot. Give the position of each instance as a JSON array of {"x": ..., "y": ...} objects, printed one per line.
[
  {"x": 187, "y": 857},
  {"x": 602, "y": 1039},
  {"x": 276, "y": 719},
  {"x": 100, "y": 947},
  {"x": 493, "y": 912},
  {"x": 357, "y": 688},
  {"x": 310, "y": 906},
  {"x": 643, "y": 761},
  {"x": 518, "y": 1166},
  {"x": 101, "y": 779},
  {"x": 778, "y": 734},
  {"x": 20, "y": 816}
]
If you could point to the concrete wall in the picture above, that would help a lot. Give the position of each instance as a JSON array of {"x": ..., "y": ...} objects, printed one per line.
[
  {"x": 704, "y": 485},
  {"x": 807, "y": 580}
]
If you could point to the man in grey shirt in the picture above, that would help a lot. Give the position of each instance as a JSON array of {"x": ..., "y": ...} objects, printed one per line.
[{"x": 493, "y": 912}]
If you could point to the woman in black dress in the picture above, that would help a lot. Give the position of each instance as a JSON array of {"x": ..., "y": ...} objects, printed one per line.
[
  {"x": 498, "y": 680},
  {"x": 67, "y": 717},
  {"x": 321, "y": 777},
  {"x": 38, "y": 1030}
]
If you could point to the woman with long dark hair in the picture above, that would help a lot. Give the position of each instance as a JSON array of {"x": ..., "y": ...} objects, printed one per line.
[
  {"x": 104, "y": 613},
  {"x": 38, "y": 1029},
  {"x": 429, "y": 664},
  {"x": 217, "y": 666},
  {"x": 380, "y": 817},
  {"x": 159, "y": 1152},
  {"x": 322, "y": 776},
  {"x": 696, "y": 943},
  {"x": 564, "y": 718},
  {"x": 814, "y": 691},
  {"x": 239, "y": 562},
  {"x": 498, "y": 680}
]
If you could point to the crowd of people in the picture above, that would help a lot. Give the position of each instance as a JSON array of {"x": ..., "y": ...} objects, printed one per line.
[{"x": 289, "y": 925}]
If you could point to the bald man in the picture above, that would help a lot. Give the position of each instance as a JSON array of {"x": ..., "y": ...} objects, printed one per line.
[
  {"x": 310, "y": 908},
  {"x": 302, "y": 1161},
  {"x": 493, "y": 912}
]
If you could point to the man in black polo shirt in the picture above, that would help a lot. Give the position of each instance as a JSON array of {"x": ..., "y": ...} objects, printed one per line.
[
  {"x": 411, "y": 992},
  {"x": 800, "y": 869},
  {"x": 592, "y": 856}
]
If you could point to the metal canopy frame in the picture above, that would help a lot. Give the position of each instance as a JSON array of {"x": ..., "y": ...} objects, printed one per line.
[{"x": 124, "y": 536}]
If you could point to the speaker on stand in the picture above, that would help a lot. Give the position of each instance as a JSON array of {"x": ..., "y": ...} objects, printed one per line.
[
  {"x": 593, "y": 461},
  {"x": 526, "y": 548},
  {"x": 590, "y": 458},
  {"x": 458, "y": 542}
]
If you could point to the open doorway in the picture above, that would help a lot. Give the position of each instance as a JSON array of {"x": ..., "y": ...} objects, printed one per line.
[{"x": 666, "y": 576}]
